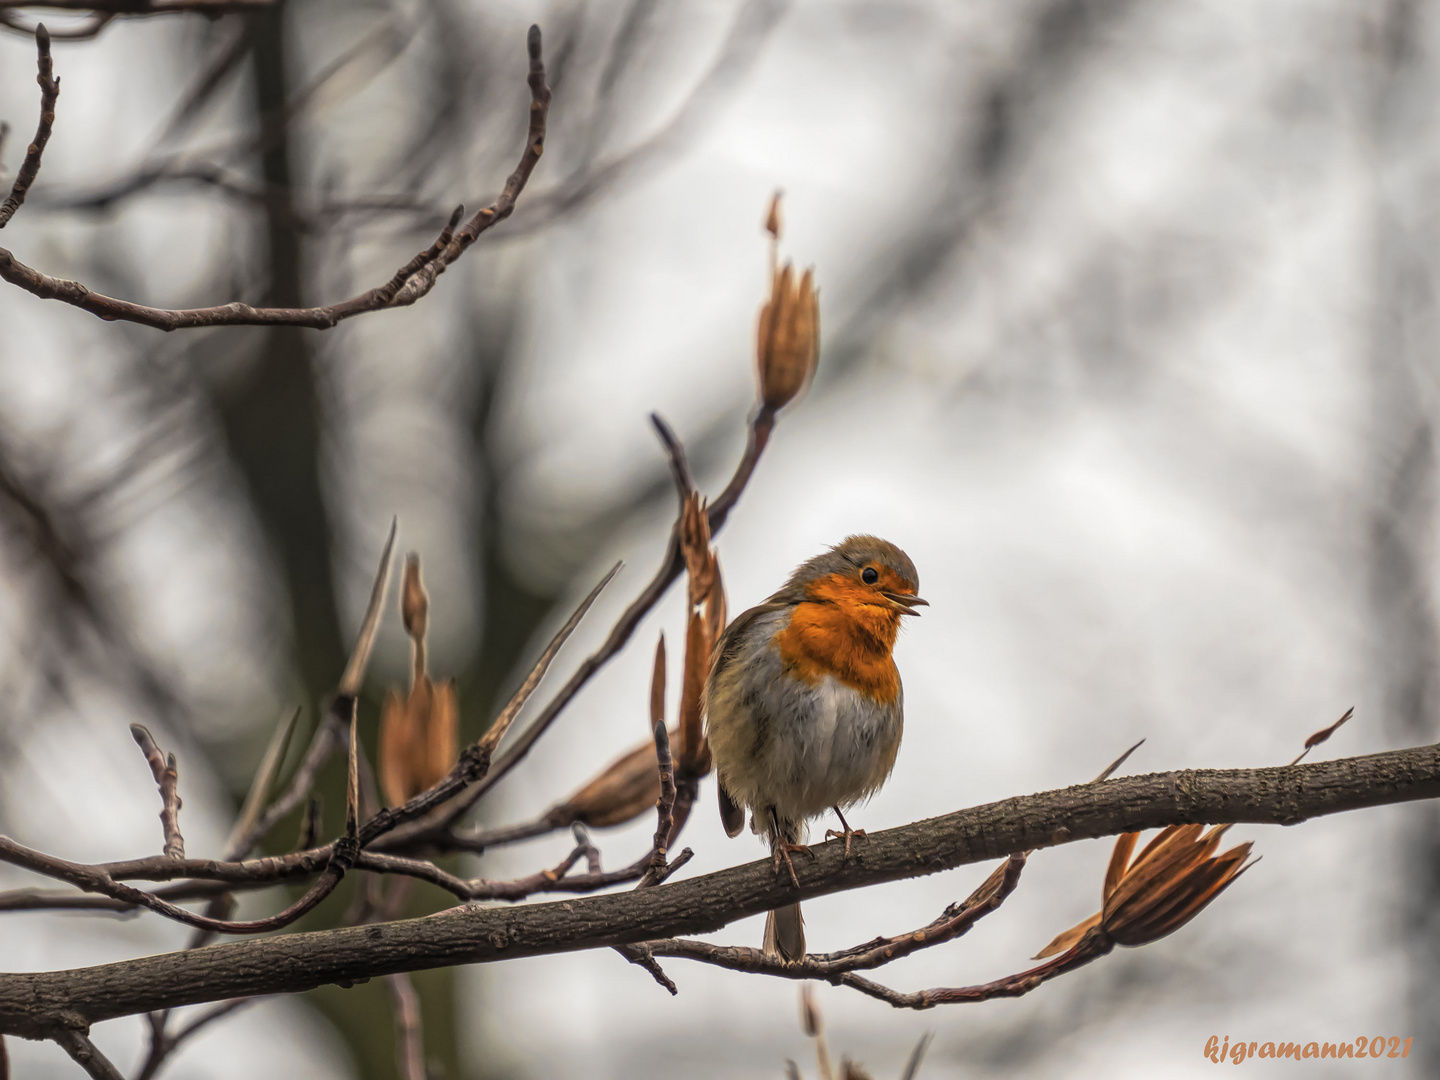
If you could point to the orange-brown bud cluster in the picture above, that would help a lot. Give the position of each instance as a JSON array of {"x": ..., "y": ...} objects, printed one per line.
[
  {"x": 419, "y": 741},
  {"x": 1173, "y": 879},
  {"x": 788, "y": 338}
]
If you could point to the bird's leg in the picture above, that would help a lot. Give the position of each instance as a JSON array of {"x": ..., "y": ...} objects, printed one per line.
[
  {"x": 846, "y": 835},
  {"x": 781, "y": 848}
]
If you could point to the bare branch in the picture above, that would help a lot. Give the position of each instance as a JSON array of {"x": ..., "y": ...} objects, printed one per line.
[
  {"x": 96, "y": 879},
  {"x": 142, "y": 7},
  {"x": 36, "y": 1004},
  {"x": 955, "y": 922},
  {"x": 413, "y": 281},
  {"x": 86, "y": 30},
  {"x": 49, "y": 92}
]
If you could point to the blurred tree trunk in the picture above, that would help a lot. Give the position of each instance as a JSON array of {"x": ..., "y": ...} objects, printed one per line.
[
  {"x": 274, "y": 420},
  {"x": 1406, "y": 641}
]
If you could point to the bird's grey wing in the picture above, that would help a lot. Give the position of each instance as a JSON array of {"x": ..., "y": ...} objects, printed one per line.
[{"x": 728, "y": 647}]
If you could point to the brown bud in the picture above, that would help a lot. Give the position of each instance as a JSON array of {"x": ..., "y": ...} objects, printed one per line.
[
  {"x": 707, "y": 619},
  {"x": 396, "y": 737},
  {"x": 773, "y": 221},
  {"x": 419, "y": 741},
  {"x": 695, "y": 544},
  {"x": 627, "y": 787},
  {"x": 1170, "y": 883},
  {"x": 788, "y": 341},
  {"x": 414, "y": 602},
  {"x": 442, "y": 737}
]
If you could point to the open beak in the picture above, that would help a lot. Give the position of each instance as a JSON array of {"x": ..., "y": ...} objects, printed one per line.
[{"x": 905, "y": 603}]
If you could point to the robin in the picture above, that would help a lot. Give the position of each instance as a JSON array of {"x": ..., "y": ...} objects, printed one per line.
[{"x": 803, "y": 705}]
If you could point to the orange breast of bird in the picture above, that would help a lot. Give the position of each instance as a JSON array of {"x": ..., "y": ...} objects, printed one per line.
[{"x": 839, "y": 630}]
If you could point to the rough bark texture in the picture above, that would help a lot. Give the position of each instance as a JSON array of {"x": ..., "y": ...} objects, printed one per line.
[{"x": 37, "y": 1005}]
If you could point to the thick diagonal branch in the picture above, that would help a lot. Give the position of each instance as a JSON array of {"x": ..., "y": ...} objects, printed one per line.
[{"x": 35, "y": 1005}]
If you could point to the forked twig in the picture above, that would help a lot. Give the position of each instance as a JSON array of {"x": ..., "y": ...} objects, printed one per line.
[{"x": 413, "y": 281}]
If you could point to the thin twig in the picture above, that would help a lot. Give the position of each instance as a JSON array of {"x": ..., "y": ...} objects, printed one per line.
[
  {"x": 665, "y": 805},
  {"x": 334, "y": 726},
  {"x": 955, "y": 922},
  {"x": 1088, "y": 949},
  {"x": 49, "y": 92},
  {"x": 409, "y": 284},
  {"x": 671, "y": 566},
  {"x": 163, "y": 1044},
  {"x": 167, "y": 777},
  {"x": 917, "y": 1055},
  {"x": 1109, "y": 770},
  {"x": 96, "y": 880},
  {"x": 354, "y": 674},
  {"x": 78, "y": 1045},
  {"x": 475, "y": 761},
  {"x": 265, "y": 773}
]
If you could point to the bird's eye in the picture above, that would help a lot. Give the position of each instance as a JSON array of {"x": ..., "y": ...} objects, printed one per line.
[{"x": 869, "y": 576}]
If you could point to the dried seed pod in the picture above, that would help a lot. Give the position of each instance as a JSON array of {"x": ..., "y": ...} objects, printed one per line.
[
  {"x": 628, "y": 787},
  {"x": 396, "y": 736},
  {"x": 1168, "y": 884},
  {"x": 788, "y": 340}
]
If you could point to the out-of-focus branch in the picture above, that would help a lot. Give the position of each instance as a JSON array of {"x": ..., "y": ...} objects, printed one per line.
[
  {"x": 37, "y": 1004},
  {"x": 411, "y": 282},
  {"x": 141, "y": 7},
  {"x": 409, "y": 1046},
  {"x": 49, "y": 92},
  {"x": 86, "y": 30},
  {"x": 162, "y": 1045}
]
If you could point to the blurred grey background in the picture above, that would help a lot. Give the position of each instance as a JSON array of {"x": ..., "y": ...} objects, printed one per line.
[{"x": 1130, "y": 336}]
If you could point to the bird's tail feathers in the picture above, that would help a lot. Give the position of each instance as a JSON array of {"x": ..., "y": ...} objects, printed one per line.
[{"x": 785, "y": 934}]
